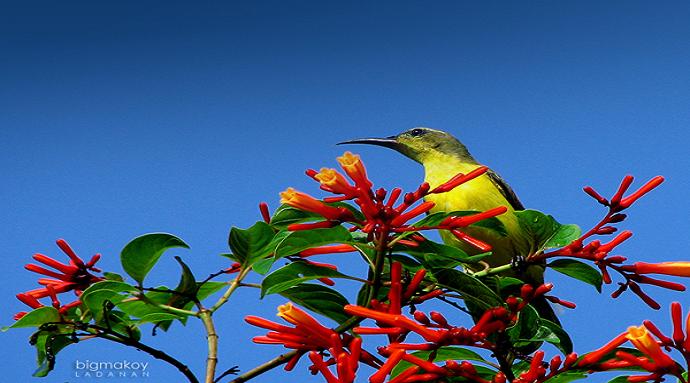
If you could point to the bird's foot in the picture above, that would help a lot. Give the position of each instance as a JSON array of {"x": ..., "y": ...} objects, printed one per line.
[{"x": 519, "y": 264}]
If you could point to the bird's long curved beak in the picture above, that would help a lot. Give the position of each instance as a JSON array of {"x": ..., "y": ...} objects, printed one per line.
[{"x": 388, "y": 142}]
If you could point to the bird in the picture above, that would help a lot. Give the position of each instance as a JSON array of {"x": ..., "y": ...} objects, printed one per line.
[{"x": 444, "y": 156}]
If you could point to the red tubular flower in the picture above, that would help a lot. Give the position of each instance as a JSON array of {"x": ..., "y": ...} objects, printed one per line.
[
  {"x": 655, "y": 330},
  {"x": 394, "y": 320},
  {"x": 265, "y": 214},
  {"x": 424, "y": 364},
  {"x": 395, "y": 292},
  {"x": 407, "y": 374},
  {"x": 322, "y": 367},
  {"x": 327, "y": 250},
  {"x": 643, "y": 341},
  {"x": 625, "y": 184},
  {"x": 29, "y": 300},
  {"x": 483, "y": 246},
  {"x": 414, "y": 283},
  {"x": 646, "y": 188},
  {"x": 312, "y": 225},
  {"x": 306, "y": 202},
  {"x": 536, "y": 370},
  {"x": 74, "y": 275},
  {"x": 459, "y": 179},
  {"x": 464, "y": 221},
  {"x": 417, "y": 211},
  {"x": 595, "y": 356},
  {"x": 353, "y": 166},
  {"x": 234, "y": 268},
  {"x": 593, "y": 193},
  {"x": 620, "y": 238},
  {"x": 334, "y": 182},
  {"x": 393, "y": 359},
  {"x": 32, "y": 302},
  {"x": 308, "y": 333},
  {"x": 635, "y": 288},
  {"x": 680, "y": 269},
  {"x": 676, "y": 318}
]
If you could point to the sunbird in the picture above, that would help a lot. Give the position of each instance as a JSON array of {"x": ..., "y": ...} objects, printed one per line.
[{"x": 444, "y": 156}]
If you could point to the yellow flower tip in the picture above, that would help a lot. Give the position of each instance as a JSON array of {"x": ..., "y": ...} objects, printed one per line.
[
  {"x": 327, "y": 176},
  {"x": 282, "y": 309},
  {"x": 643, "y": 341},
  {"x": 288, "y": 195},
  {"x": 636, "y": 332},
  {"x": 349, "y": 159},
  {"x": 294, "y": 315}
]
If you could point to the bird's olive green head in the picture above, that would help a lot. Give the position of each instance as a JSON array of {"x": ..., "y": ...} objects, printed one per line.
[{"x": 421, "y": 144}]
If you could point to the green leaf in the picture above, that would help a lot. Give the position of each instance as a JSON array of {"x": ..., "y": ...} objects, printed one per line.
[
  {"x": 526, "y": 330},
  {"x": 442, "y": 354},
  {"x": 113, "y": 276},
  {"x": 564, "y": 343},
  {"x": 286, "y": 215},
  {"x": 618, "y": 379},
  {"x": 435, "y": 255},
  {"x": 294, "y": 274},
  {"x": 297, "y": 241},
  {"x": 36, "y": 318},
  {"x": 567, "y": 376},
  {"x": 208, "y": 289},
  {"x": 186, "y": 289},
  {"x": 249, "y": 245},
  {"x": 48, "y": 344},
  {"x": 564, "y": 235},
  {"x": 97, "y": 294},
  {"x": 96, "y": 300},
  {"x": 578, "y": 270},
  {"x": 319, "y": 299},
  {"x": 110, "y": 285},
  {"x": 472, "y": 289},
  {"x": 142, "y": 253},
  {"x": 141, "y": 308},
  {"x": 157, "y": 317},
  {"x": 121, "y": 323},
  {"x": 544, "y": 231},
  {"x": 263, "y": 266}
]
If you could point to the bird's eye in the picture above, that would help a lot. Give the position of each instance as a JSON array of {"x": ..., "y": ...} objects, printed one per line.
[{"x": 417, "y": 132}]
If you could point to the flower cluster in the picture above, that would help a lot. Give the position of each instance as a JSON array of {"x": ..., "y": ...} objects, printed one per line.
[
  {"x": 653, "y": 346},
  {"x": 383, "y": 213},
  {"x": 434, "y": 329},
  {"x": 73, "y": 276},
  {"x": 599, "y": 253},
  {"x": 308, "y": 335}
]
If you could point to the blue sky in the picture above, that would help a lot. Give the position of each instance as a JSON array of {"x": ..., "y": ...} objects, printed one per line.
[{"x": 125, "y": 118}]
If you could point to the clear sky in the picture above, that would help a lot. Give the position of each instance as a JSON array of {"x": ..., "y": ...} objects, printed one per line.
[{"x": 130, "y": 117}]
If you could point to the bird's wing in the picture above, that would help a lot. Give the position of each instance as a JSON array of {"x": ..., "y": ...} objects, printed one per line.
[{"x": 506, "y": 190}]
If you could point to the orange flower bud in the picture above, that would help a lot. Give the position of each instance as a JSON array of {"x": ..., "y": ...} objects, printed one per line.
[
  {"x": 298, "y": 317},
  {"x": 353, "y": 166},
  {"x": 643, "y": 341},
  {"x": 680, "y": 269},
  {"x": 387, "y": 367},
  {"x": 306, "y": 202},
  {"x": 334, "y": 182}
]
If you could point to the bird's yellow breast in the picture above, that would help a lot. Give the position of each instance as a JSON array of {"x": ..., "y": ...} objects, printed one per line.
[{"x": 478, "y": 194}]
